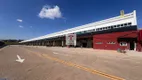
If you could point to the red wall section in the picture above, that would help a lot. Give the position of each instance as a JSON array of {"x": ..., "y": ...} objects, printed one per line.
[
  {"x": 104, "y": 44},
  {"x": 140, "y": 35},
  {"x": 139, "y": 47},
  {"x": 139, "y": 43},
  {"x": 112, "y": 37}
]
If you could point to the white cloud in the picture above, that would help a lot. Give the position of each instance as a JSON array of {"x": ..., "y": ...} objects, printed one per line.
[
  {"x": 19, "y": 20},
  {"x": 21, "y": 26},
  {"x": 50, "y": 13}
]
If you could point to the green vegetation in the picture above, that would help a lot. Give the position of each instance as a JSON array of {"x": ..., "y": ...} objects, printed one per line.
[{"x": 11, "y": 42}]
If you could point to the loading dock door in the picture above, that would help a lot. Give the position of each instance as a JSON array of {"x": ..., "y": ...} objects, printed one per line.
[{"x": 132, "y": 45}]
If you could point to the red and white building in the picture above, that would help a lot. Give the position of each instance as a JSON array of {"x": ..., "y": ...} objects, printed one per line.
[{"x": 120, "y": 32}]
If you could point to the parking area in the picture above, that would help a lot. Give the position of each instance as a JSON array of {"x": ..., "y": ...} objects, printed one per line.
[{"x": 57, "y": 63}]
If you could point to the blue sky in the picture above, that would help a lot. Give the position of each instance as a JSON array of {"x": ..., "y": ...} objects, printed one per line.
[{"x": 25, "y": 19}]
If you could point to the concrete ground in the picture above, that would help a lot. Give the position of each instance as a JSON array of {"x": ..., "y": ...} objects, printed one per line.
[{"x": 57, "y": 63}]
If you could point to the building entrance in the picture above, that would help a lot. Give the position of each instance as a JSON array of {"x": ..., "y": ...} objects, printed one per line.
[
  {"x": 85, "y": 42},
  {"x": 132, "y": 45}
]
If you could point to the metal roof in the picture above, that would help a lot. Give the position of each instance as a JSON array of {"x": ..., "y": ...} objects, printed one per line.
[{"x": 130, "y": 17}]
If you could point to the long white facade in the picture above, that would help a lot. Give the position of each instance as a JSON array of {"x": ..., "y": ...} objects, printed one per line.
[{"x": 127, "y": 18}]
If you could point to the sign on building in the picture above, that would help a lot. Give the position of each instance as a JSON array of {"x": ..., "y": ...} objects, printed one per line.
[
  {"x": 71, "y": 39},
  {"x": 122, "y": 12}
]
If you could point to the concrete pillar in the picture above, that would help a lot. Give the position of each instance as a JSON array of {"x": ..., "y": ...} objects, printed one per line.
[
  {"x": 53, "y": 43},
  {"x": 38, "y": 43},
  {"x": 42, "y": 43},
  {"x": 47, "y": 43},
  {"x": 62, "y": 43},
  {"x": 34, "y": 43},
  {"x": 135, "y": 46}
]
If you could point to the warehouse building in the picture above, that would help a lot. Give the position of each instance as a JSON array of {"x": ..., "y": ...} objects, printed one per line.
[{"x": 120, "y": 32}]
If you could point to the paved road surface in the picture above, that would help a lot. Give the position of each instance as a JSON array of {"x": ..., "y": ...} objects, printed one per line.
[{"x": 67, "y": 64}]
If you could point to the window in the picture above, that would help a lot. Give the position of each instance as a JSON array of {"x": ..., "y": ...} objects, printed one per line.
[
  {"x": 109, "y": 27},
  {"x": 82, "y": 31},
  {"x": 121, "y": 25},
  {"x": 129, "y": 24},
  {"x": 118, "y": 26},
  {"x": 125, "y": 24},
  {"x": 99, "y": 43},
  {"x": 114, "y": 26},
  {"x": 123, "y": 44},
  {"x": 94, "y": 30},
  {"x": 103, "y": 28},
  {"x": 100, "y": 29},
  {"x": 111, "y": 43},
  {"x": 88, "y": 31}
]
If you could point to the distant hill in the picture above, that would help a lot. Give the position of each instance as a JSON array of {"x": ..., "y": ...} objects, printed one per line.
[
  {"x": 11, "y": 41},
  {"x": 2, "y": 44}
]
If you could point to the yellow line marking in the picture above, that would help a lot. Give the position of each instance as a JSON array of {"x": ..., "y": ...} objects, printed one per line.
[{"x": 78, "y": 66}]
